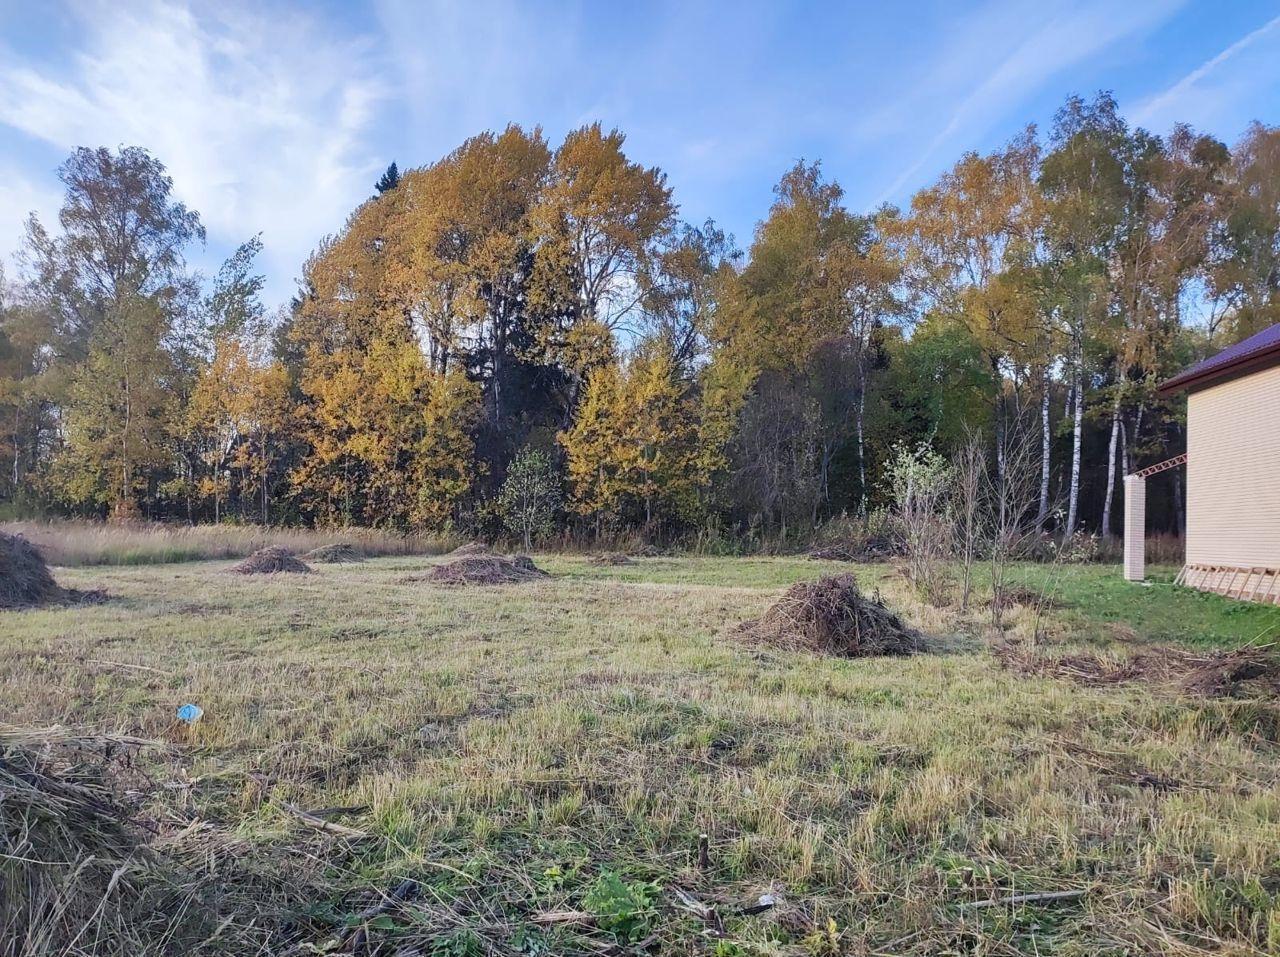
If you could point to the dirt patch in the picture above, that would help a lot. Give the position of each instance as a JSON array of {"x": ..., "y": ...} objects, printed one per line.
[
  {"x": 339, "y": 553},
  {"x": 647, "y": 551},
  {"x": 471, "y": 548},
  {"x": 270, "y": 561},
  {"x": 831, "y": 616},
  {"x": 25, "y": 579},
  {"x": 487, "y": 570},
  {"x": 610, "y": 558},
  {"x": 1242, "y": 673}
]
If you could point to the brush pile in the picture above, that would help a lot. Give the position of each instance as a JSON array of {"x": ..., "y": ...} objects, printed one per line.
[
  {"x": 487, "y": 570},
  {"x": 610, "y": 558},
  {"x": 270, "y": 561},
  {"x": 25, "y": 579},
  {"x": 1242, "y": 673},
  {"x": 879, "y": 547},
  {"x": 339, "y": 553},
  {"x": 831, "y": 616}
]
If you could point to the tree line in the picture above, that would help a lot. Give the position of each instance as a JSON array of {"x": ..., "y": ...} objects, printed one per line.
[{"x": 525, "y": 337}]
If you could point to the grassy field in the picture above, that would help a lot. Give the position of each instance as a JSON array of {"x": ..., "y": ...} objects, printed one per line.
[
  {"x": 71, "y": 542},
  {"x": 529, "y": 768}
]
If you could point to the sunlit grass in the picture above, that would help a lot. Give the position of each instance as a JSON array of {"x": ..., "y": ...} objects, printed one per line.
[{"x": 512, "y": 744}]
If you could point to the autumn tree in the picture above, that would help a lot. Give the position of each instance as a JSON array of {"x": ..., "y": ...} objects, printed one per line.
[
  {"x": 973, "y": 249},
  {"x": 634, "y": 444},
  {"x": 114, "y": 283},
  {"x": 239, "y": 409},
  {"x": 803, "y": 317},
  {"x": 1244, "y": 267},
  {"x": 28, "y": 423}
]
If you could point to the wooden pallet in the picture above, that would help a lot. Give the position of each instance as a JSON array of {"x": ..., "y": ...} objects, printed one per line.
[{"x": 1247, "y": 583}]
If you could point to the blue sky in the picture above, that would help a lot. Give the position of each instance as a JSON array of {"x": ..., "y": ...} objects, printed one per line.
[{"x": 276, "y": 118}]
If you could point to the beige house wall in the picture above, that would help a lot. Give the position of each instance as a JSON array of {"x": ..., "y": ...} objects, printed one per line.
[{"x": 1233, "y": 472}]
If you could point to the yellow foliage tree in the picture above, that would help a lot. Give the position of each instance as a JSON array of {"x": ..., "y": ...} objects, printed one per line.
[
  {"x": 240, "y": 406},
  {"x": 635, "y": 440}
]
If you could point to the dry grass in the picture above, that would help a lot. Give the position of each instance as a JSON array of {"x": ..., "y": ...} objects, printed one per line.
[
  {"x": 73, "y": 543},
  {"x": 529, "y": 768}
]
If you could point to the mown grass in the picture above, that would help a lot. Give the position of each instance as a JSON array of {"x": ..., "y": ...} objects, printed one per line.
[
  {"x": 75, "y": 543},
  {"x": 541, "y": 759}
]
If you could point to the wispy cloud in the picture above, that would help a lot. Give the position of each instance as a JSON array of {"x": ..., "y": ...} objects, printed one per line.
[
  {"x": 1205, "y": 89},
  {"x": 260, "y": 119},
  {"x": 1047, "y": 49},
  {"x": 21, "y": 195}
]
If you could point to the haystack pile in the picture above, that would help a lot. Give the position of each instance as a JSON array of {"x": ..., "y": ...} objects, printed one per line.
[
  {"x": 471, "y": 548},
  {"x": 270, "y": 561},
  {"x": 25, "y": 579},
  {"x": 610, "y": 558},
  {"x": 487, "y": 570},
  {"x": 831, "y": 616},
  {"x": 339, "y": 553}
]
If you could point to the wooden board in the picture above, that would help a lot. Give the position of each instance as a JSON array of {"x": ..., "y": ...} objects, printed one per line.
[{"x": 1245, "y": 582}]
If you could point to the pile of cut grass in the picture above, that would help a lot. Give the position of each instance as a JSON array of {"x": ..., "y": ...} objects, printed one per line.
[
  {"x": 339, "y": 553},
  {"x": 611, "y": 558},
  {"x": 272, "y": 560},
  {"x": 831, "y": 616},
  {"x": 487, "y": 570},
  {"x": 82, "y": 875},
  {"x": 1238, "y": 673},
  {"x": 470, "y": 548},
  {"x": 25, "y": 579}
]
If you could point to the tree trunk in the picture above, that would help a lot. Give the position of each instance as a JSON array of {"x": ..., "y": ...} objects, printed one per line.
[
  {"x": 1077, "y": 432},
  {"x": 1111, "y": 467},
  {"x": 862, "y": 455},
  {"x": 998, "y": 421},
  {"x": 1042, "y": 515}
]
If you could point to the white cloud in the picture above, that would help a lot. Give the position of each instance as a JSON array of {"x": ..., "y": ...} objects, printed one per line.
[
  {"x": 1049, "y": 44},
  {"x": 1212, "y": 93},
  {"x": 260, "y": 119},
  {"x": 19, "y": 197}
]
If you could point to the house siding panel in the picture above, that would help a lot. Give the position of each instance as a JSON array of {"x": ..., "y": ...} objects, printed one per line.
[{"x": 1233, "y": 472}]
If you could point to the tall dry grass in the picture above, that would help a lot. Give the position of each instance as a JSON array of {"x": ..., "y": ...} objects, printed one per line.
[{"x": 68, "y": 542}]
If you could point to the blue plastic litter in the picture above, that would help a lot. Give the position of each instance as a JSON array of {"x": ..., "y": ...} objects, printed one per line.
[{"x": 190, "y": 713}]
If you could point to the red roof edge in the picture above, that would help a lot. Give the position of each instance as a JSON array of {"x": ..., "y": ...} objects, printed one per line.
[{"x": 1258, "y": 352}]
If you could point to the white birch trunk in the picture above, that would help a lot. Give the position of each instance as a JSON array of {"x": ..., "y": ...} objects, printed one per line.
[
  {"x": 1111, "y": 468},
  {"x": 1077, "y": 431}
]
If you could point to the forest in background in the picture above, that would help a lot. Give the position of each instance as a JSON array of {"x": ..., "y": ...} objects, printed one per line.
[{"x": 525, "y": 338}]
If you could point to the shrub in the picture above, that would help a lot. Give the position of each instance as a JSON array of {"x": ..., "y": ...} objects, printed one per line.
[{"x": 920, "y": 480}]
